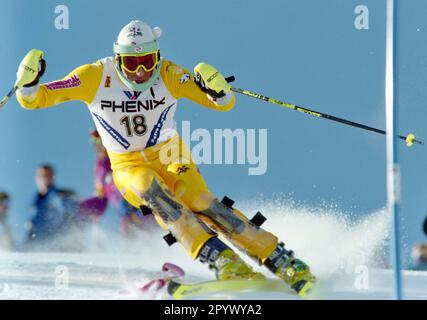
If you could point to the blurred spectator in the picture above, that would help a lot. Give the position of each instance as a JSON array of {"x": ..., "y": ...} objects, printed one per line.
[
  {"x": 6, "y": 242},
  {"x": 54, "y": 209},
  {"x": 132, "y": 220},
  {"x": 419, "y": 256}
]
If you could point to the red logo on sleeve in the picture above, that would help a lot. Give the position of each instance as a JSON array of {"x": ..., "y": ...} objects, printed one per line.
[{"x": 72, "y": 82}]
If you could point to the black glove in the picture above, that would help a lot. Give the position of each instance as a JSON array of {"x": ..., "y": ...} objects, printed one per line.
[
  {"x": 201, "y": 84},
  {"x": 42, "y": 69}
]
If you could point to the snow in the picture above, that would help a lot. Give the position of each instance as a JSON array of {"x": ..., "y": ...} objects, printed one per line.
[{"x": 347, "y": 256}]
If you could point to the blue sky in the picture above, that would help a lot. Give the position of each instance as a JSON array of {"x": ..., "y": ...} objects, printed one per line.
[{"x": 306, "y": 52}]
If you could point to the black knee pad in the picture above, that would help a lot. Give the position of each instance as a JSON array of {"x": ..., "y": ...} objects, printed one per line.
[
  {"x": 225, "y": 217},
  {"x": 160, "y": 199}
]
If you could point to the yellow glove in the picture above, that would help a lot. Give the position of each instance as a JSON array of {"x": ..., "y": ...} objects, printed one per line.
[
  {"x": 210, "y": 80},
  {"x": 31, "y": 69}
]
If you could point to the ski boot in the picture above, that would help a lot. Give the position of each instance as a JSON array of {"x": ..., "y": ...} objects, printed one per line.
[
  {"x": 226, "y": 264},
  {"x": 293, "y": 271}
]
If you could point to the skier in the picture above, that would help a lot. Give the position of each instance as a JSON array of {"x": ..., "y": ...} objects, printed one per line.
[
  {"x": 132, "y": 98},
  {"x": 131, "y": 219}
]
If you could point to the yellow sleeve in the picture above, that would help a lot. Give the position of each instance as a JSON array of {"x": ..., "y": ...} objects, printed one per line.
[
  {"x": 180, "y": 84},
  {"x": 80, "y": 84}
]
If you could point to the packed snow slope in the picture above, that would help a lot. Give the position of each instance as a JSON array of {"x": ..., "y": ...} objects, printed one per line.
[{"x": 347, "y": 256}]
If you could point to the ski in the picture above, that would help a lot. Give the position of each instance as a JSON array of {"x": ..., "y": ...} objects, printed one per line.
[
  {"x": 170, "y": 272},
  {"x": 181, "y": 290},
  {"x": 157, "y": 282}
]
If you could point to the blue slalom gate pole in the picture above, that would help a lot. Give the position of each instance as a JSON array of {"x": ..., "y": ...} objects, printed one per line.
[{"x": 393, "y": 168}]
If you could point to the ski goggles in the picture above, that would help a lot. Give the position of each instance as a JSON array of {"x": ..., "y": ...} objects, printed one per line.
[{"x": 132, "y": 62}]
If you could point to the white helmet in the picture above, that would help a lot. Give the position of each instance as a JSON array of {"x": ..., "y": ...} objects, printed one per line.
[{"x": 137, "y": 37}]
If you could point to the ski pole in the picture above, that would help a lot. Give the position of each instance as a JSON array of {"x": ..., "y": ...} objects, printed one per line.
[
  {"x": 409, "y": 139},
  {"x": 7, "y": 97}
]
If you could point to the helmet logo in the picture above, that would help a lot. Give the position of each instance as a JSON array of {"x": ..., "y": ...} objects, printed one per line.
[
  {"x": 138, "y": 49},
  {"x": 134, "y": 32}
]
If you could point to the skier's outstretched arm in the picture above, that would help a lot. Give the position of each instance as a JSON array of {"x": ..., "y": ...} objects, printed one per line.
[
  {"x": 181, "y": 84},
  {"x": 80, "y": 84}
]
